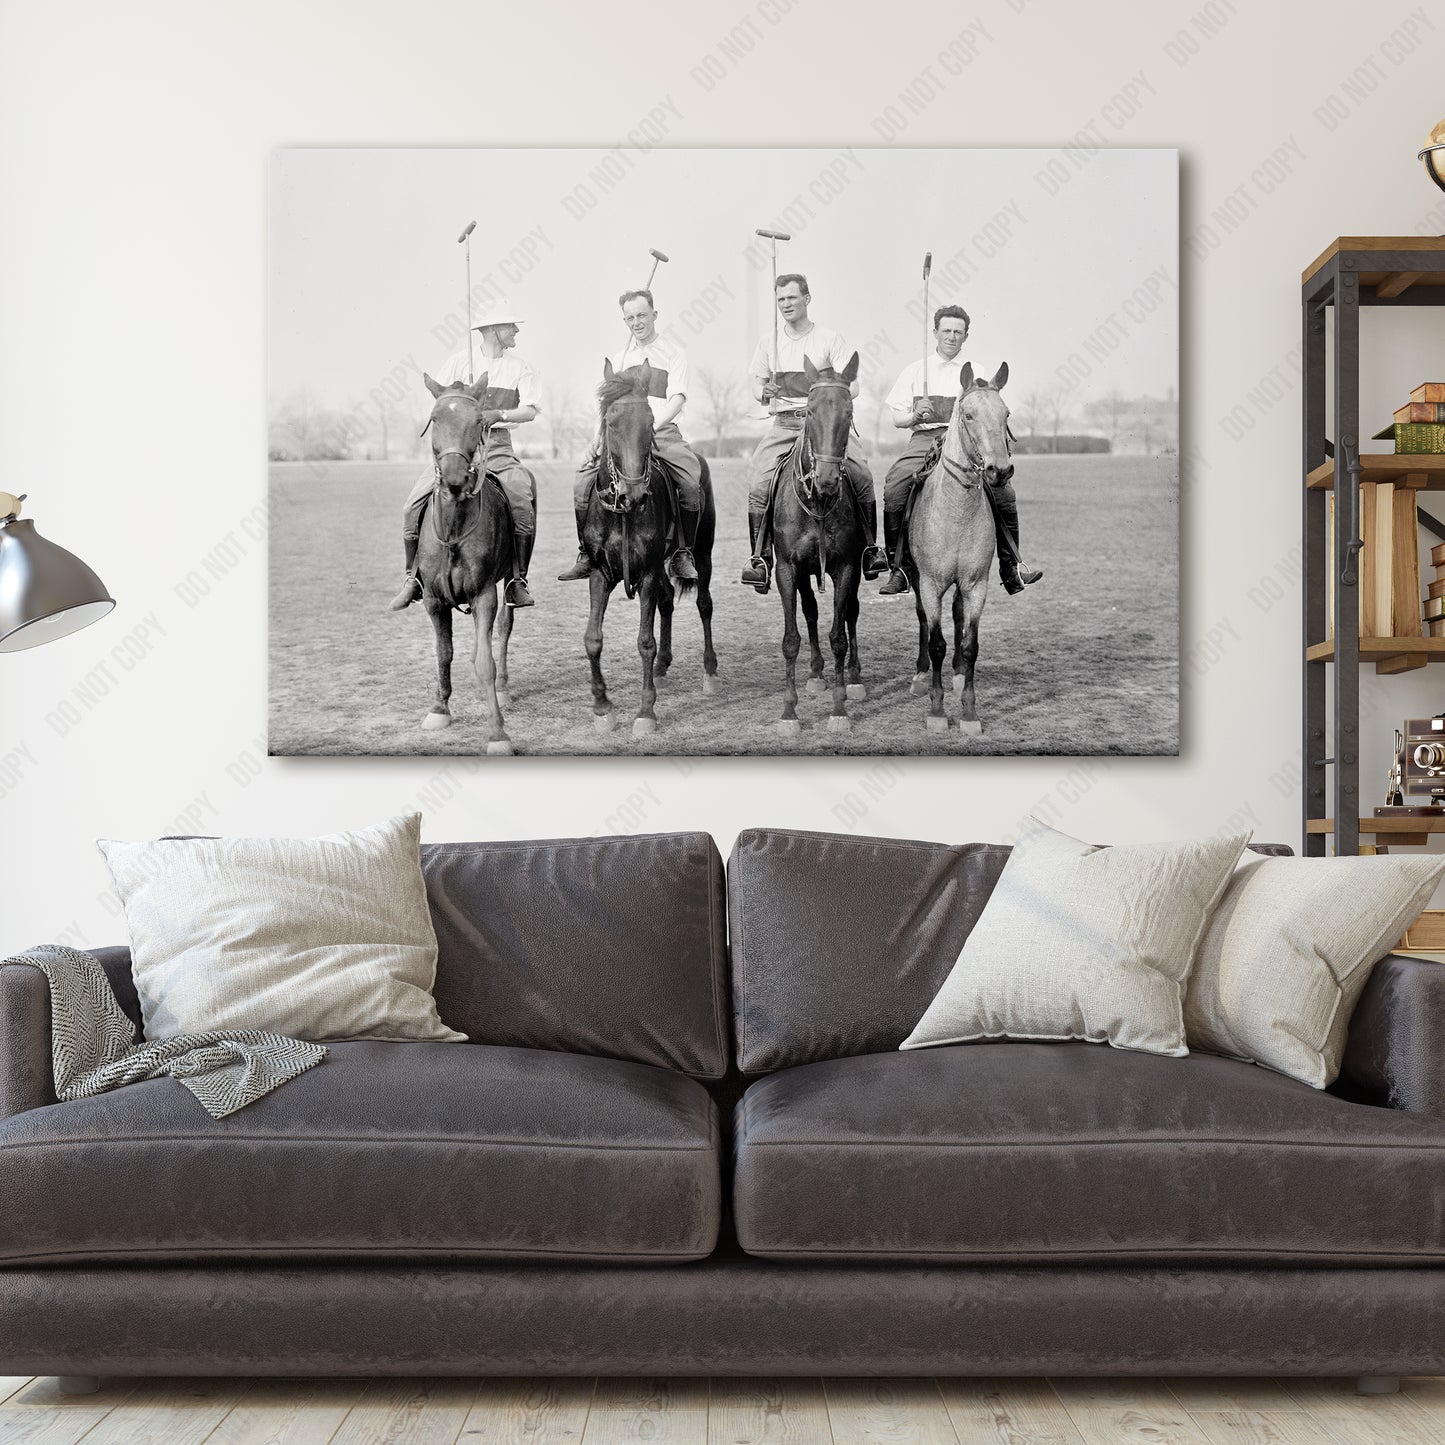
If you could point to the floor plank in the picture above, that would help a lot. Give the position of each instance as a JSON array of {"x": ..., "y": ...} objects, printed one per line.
[
  {"x": 1263, "y": 1427},
  {"x": 767, "y": 1412},
  {"x": 1112, "y": 1412},
  {"x": 529, "y": 1412},
  {"x": 44, "y": 1426},
  {"x": 1372, "y": 1419},
  {"x": 10, "y": 1384},
  {"x": 408, "y": 1412},
  {"x": 888, "y": 1412},
  {"x": 178, "y": 1411},
  {"x": 1245, "y": 1392},
  {"x": 655, "y": 1411},
  {"x": 1007, "y": 1412},
  {"x": 288, "y": 1412}
]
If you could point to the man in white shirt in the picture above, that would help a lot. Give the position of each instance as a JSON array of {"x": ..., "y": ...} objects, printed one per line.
[
  {"x": 667, "y": 394},
  {"x": 513, "y": 392},
  {"x": 922, "y": 402},
  {"x": 780, "y": 383}
]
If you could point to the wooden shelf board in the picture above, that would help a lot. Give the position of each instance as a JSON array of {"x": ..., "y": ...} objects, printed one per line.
[
  {"x": 1380, "y": 243},
  {"x": 1382, "y": 649},
  {"x": 1423, "y": 471},
  {"x": 1395, "y": 826}
]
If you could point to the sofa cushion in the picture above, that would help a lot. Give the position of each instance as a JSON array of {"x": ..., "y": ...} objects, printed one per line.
[
  {"x": 607, "y": 946},
  {"x": 1074, "y": 1152},
  {"x": 840, "y": 944},
  {"x": 386, "y": 1150}
]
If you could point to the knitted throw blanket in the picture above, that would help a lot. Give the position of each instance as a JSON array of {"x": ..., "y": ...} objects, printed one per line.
[{"x": 91, "y": 1047}]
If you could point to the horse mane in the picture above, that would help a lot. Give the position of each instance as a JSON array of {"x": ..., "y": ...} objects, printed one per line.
[{"x": 620, "y": 387}]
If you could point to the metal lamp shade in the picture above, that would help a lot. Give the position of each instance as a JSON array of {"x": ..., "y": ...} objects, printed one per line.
[{"x": 45, "y": 591}]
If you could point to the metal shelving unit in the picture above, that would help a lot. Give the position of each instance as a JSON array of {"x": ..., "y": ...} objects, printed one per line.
[{"x": 1353, "y": 271}]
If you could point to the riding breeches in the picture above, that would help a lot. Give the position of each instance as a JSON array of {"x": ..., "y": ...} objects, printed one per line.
[
  {"x": 778, "y": 441},
  {"x": 517, "y": 482},
  {"x": 904, "y": 471},
  {"x": 671, "y": 448}
]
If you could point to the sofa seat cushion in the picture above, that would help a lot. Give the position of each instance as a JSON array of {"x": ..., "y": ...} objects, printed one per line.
[
  {"x": 1027, "y": 1152},
  {"x": 385, "y": 1150}
]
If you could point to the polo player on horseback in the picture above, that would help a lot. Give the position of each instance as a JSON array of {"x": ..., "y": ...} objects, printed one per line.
[
  {"x": 780, "y": 383},
  {"x": 512, "y": 397},
  {"x": 668, "y": 381},
  {"x": 923, "y": 404}
]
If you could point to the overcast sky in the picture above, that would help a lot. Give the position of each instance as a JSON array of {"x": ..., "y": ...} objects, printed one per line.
[{"x": 1065, "y": 260}]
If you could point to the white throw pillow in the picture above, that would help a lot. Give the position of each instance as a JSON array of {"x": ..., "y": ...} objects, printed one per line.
[
  {"x": 313, "y": 938},
  {"x": 1082, "y": 942},
  {"x": 1289, "y": 951}
]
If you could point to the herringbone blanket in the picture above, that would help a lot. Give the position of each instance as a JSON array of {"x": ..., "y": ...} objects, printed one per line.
[{"x": 91, "y": 1048}]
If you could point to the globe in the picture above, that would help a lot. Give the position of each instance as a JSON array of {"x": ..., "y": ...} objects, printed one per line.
[{"x": 1431, "y": 155}]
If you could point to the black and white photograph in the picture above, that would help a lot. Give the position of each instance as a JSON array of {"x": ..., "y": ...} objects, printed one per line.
[{"x": 721, "y": 452}]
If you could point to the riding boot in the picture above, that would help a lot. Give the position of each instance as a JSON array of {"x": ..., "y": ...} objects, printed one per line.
[
  {"x": 582, "y": 567},
  {"x": 1011, "y": 571},
  {"x": 874, "y": 562},
  {"x": 684, "y": 568},
  {"x": 517, "y": 594},
  {"x": 893, "y": 541},
  {"x": 757, "y": 574},
  {"x": 411, "y": 590}
]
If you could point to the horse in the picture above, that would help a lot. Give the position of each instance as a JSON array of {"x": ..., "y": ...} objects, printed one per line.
[
  {"x": 465, "y": 550},
  {"x": 951, "y": 542},
  {"x": 818, "y": 533},
  {"x": 629, "y": 523}
]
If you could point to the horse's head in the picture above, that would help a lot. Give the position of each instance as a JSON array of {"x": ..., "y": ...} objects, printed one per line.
[
  {"x": 980, "y": 424},
  {"x": 458, "y": 424},
  {"x": 828, "y": 420},
  {"x": 626, "y": 434}
]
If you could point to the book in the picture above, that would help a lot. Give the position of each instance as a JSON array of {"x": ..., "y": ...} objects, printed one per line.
[
  {"x": 1437, "y": 589},
  {"x": 1403, "y": 562},
  {"x": 1418, "y": 437},
  {"x": 1434, "y": 607},
  {"x": 1436, "y": 626},
  {"x": 1421, "y": 411},
  {"x": 1429, "y": 391},
  {"x": 1437, "y": 555},
  {"x": 1427, "y": 932}
]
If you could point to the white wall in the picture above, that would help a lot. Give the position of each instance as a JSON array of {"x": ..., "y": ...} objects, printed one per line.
[{"x": 133, "y": 147}]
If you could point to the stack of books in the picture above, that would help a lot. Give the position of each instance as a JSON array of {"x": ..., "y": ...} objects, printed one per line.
[
  {"x": 1419, "y": 425},
  {"x": 1435, "y": 599},
  {"x": 1389, "y": 565}
]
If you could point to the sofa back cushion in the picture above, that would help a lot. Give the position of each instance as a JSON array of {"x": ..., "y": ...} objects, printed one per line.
[
  {"x": 839, "y": 944},
  {"x": 608, "y": 946}
]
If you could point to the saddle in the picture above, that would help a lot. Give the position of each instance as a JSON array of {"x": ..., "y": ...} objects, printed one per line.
[{"x": 930, "y": 460}]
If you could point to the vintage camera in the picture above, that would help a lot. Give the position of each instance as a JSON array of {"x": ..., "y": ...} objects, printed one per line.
[{"x": 1418, "y": 774}]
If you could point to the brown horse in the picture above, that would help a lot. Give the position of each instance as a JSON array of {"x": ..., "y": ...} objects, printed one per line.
[
  {"x": 817, "y": 533},
  {"x": 951, "y": 542},
  {"x": 629, "y": 525},
  {"x": 465, "y": 550}
]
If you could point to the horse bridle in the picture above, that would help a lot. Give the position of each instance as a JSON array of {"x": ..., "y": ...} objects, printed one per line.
[
  {"x": 976, "y": 466},
  {"x": 471, "y": 459},
  {"x": 611, "y": 498},
  {"x": 808, "y": 460}
]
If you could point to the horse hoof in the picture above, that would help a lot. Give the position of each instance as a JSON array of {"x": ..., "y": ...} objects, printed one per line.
[
  {"x": 936, "y": 724},
  {"x": 788, "y": 727},
  {"x": 970, "y": 727},
  {"x": 504, "y": 698},
  {"x": 499, "y": 748},
  {"x": 643, "y": 726},
  {"x": 711, "y": 686},
  {"x": 434, "y": 720},
  {"x": 920, "y": 684},
  {"x": 958, "y": 683},
  {"x": 839, "y": 723},
  {"x": 660, "y": 679},
  {"x": 817, "y": 686},
  {"x": 857, "y": 692},
  {"x": 604, "y": 722}
]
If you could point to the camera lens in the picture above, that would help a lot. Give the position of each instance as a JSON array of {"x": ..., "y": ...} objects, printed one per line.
[{"x": 1430, "y": 756}]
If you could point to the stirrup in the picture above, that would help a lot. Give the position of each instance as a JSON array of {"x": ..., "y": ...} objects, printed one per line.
[
  {"x": 524, "y": 600},
  {"x": 896, "y": 585},
  {"x": 875, "y": 561},
  {"x": 684, "y": 568},
  {"x": 757, "y": 575},
  {"x": 579, "y": 570},
  {"x": 410, "y": 592}
]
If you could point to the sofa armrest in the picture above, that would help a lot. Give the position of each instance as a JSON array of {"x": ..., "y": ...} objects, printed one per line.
[
  {"x": 1395, "y": 1052},
  {"x": 26, "y": 1080}
]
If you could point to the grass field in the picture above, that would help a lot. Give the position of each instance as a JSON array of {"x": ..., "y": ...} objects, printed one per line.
[{"x": 1085, "y": 661}]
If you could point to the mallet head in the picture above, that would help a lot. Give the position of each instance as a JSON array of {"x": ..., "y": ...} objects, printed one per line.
[
  {"x": 775, "y": 235},
  {"x": 660, "y": 255},
  {"x": 927, "y": 263},
  {"x": 471, "y": 226}
]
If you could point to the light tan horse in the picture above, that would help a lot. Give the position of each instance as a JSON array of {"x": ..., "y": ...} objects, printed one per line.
[{"x": 951, "y": 542}]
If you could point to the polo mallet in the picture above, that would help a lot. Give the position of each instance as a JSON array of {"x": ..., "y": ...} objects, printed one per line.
[
  {"x": 775, "y": 237},
  {"x": 658, "y": 257},
  {"x": 927, "y": 330},
  {"x": 466, "y": 237}
]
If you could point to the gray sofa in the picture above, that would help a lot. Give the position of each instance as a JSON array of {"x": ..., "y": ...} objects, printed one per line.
[{"x": 662, "y": 1155}]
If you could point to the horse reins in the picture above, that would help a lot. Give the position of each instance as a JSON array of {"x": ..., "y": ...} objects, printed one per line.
[
  {"x": 976, "y": 466},
  {"x": 806, "y": 471},
  {"x": 453, "y": 543}
]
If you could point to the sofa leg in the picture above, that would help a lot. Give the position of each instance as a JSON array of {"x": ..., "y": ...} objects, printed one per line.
[
  {"x": 1377, "y": 1384},
  {"x": 78, "y": 1384}
]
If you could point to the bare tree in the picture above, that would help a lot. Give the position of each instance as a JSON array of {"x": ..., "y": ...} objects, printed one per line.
[
  {"x": 875, "y": 392},
  {"x": 303, "y": 431},
  {"x": 1044, "y": 410},
  {"x": 1109, "y": 413},
  {"x": 568, "y": 422},
  {"x": 724, "y": 402}
]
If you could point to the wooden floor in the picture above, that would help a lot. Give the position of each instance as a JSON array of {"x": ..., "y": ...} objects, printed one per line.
[{"x": 720, "y": 1412}]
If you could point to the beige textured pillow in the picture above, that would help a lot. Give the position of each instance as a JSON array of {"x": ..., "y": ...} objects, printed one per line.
[
  {"x": 1081, "y": 942},
  {"x": 1289, "y": 951},
  {"x": 313, "y": 938}
]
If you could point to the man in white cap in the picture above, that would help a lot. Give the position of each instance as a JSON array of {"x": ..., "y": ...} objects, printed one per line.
[
  {"x": 512, "y": 390},
  {"x": 780, "y": 383},
  {"x": 667, "y": 395}
]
